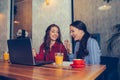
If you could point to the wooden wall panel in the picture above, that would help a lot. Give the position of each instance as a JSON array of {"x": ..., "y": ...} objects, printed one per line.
[
  {"x": 24, "y": 16},
  {"x": 98, "y": 21}
]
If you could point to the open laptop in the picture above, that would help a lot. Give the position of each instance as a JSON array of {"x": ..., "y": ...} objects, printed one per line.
[{"x": 20, "y": 51}]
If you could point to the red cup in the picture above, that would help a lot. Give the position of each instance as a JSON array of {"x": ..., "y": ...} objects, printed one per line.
[{"x": 78, "y": 62}]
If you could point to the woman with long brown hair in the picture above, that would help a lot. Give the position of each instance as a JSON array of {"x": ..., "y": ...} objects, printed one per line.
[{"x": 52, "y": 44}]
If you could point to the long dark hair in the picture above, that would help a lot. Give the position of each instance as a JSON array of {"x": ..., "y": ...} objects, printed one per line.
[
  {"x": 47, "y": 39},
  {"x": 82, "y": 52}
]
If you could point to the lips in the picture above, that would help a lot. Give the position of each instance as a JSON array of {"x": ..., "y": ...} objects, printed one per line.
[
  {"x": 54, "y": 37},
  {"x": 74, "y": 37}
]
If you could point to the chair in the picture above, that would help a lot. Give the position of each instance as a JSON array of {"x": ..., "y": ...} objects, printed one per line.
[
  {"x": 96, "y": 36},
  {"x": 111, "y": 72}
]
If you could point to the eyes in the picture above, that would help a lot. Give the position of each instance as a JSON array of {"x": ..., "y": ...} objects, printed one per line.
[
  {"x": 54, "y": 30},
  {"x": 72, "y": 31}
]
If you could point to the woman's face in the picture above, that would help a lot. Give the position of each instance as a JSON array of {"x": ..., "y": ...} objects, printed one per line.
[
  {"x": 54, "y": 33},
  {"x": 76, "y": 33}
]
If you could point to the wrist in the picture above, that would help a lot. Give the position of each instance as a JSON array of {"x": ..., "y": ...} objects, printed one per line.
[{"x": 69, "y": 51}]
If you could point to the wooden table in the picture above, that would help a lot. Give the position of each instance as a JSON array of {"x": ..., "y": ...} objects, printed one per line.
[{"x": 50, "y": 72}]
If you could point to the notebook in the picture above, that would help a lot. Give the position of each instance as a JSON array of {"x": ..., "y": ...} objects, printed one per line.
[{"x": 20, "y": 51}]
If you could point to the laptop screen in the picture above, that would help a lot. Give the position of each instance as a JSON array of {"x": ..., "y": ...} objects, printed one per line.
[{"x": 20, "y": 51}]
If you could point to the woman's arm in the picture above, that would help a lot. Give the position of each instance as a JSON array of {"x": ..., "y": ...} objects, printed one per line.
[
  {"x": 63, "y": 50},
  {"x": 69, "y": 50},
  {"x": 68, "y": 46},
  {"x": 40, "y": 55}
]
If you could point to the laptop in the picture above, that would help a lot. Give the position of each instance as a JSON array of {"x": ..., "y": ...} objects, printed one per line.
[{"x": 20, "y": 51}]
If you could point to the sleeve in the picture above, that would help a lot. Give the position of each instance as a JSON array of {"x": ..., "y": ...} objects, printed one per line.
[
  {"x": 40, "y": 55},
  {"x": 70, "y": 56},
  {"x": 94, "y": 52}
]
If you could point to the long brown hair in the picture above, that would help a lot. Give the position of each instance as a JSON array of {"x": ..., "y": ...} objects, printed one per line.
[{"x": 47, "y": 39}]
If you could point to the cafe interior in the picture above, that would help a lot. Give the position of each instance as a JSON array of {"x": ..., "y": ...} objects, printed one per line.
[{"x": 102, "y": 18}]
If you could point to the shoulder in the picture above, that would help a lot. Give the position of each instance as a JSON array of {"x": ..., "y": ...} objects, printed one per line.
[
  {"x": 91, "y": 39},
  {"x": 42, "y": 45}
]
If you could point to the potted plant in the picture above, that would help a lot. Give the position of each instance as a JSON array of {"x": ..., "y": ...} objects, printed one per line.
[{"x": 114, "y": 41}]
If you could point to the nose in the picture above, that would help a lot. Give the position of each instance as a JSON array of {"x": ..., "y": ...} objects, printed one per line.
[{"x": 56, "y": 34}]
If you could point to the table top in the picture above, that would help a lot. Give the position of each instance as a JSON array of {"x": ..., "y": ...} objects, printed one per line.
[{"x": 50, "y": 72}]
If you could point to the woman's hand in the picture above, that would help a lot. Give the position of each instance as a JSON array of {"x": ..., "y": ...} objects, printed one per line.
[
  {"x": 68, "y": 46},
  {"x": 34, "y": 52}
]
